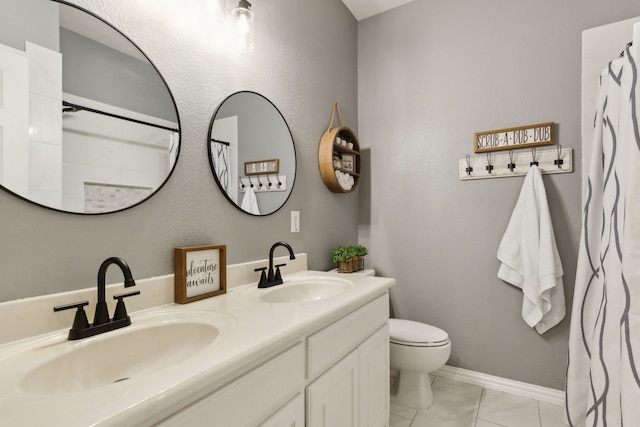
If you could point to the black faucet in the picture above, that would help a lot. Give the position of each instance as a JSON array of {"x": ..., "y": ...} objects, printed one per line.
[
  {"x": 102, "y": 312},
  {"x": 273, "y": 277},
  {"x": 101, "y": 321}
]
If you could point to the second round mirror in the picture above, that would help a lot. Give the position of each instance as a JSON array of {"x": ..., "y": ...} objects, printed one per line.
[{"x": 251, "y": 153}]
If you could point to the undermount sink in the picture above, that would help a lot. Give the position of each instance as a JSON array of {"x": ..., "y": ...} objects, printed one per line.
[
  {"x": 154, "y": 341},
  {"x": 305, "y": 289}
]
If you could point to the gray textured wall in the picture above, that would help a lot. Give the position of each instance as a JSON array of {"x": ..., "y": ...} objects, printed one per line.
[
  {"x": 431, "y": 73},
  {"x": 294, "y": 65}
]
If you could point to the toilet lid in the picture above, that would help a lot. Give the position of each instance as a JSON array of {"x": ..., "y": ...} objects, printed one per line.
[{"x": 408, "y": 331}]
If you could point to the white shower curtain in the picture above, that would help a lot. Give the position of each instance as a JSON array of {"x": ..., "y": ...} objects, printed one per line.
[{"x": 603, "y": 381}]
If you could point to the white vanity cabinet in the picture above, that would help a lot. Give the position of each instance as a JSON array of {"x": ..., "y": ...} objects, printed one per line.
[
  {"x": 348, "y": 363},
  {"x": 337, "y": 376},
  {"x": 252, "y": 398}
]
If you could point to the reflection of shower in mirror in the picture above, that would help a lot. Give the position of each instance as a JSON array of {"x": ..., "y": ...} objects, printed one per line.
[{"x": 112, "y": 157}]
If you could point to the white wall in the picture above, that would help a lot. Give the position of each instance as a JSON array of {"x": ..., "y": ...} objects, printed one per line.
[
  {"x": 431, "y": 73},
  {"x": 294, "y": 65}
]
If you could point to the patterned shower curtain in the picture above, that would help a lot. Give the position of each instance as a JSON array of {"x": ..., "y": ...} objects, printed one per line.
[
  {"x": 220, "y": 151},
  {"x": 603, "y": 381}
]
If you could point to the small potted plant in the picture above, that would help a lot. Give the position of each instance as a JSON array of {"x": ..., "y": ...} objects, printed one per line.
[
  {"x": 349, "y": 258},
  {"x": 360, "y": 251}
]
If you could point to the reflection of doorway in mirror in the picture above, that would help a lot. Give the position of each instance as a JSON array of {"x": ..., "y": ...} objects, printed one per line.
[
  {"x": 14, "y": 120},
  {"x": 225, "y": 157}
]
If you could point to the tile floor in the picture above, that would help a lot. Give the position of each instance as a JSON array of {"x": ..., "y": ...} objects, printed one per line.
[{"x": 458, "y": 404}]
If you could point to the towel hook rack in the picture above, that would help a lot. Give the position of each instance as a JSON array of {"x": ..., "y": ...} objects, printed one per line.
[
  {"x": 558, "y": 162},
  {"x": 533, "y": 158},
  {"x": 489, "y": 166},
  {"x": 511, "y": 165},
  {"x": 515, "y": 163},
  {"x": 469, "y": 168}
]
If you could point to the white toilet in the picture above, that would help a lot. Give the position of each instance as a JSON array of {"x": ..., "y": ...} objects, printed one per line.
[{"x": 416, "y": 349}]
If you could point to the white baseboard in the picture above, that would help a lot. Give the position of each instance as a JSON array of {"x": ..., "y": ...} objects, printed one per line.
[{"x": 518, "y": 388}]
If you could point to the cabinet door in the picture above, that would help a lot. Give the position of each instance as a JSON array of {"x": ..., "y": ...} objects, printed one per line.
[
  {"x": 373, "y": 376},
  {"x": 290, "y": 415},
  {"x": 332, "y": 400}
]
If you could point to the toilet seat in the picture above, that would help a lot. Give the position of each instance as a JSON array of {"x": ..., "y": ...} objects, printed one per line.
[{"x": 416, "y": 334}]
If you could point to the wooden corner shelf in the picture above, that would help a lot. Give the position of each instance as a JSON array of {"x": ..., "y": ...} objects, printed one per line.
[{"x": 326, "y": 152}]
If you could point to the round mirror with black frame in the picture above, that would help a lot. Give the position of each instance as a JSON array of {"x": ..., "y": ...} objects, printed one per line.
[
  {"x": 89, "y": 124},
  {"x": 251, "y": 153}
]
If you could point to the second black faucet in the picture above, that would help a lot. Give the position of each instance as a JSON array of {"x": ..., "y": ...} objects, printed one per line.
[{"x": 273, "y": 277}]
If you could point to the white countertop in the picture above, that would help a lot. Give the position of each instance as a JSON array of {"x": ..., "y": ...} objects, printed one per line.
[{"x": 257, "y": 331}]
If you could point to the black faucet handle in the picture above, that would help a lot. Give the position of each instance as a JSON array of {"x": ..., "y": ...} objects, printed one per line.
[
  {"x": 77, "y": 305},
  {"x": 80, "y": 321},
  {"x": 121, "y": 311},
  {"x": 278, "y": 274},
  {"x": 263, "y": 275}
]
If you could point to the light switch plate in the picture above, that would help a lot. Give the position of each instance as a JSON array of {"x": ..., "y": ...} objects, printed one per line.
[{"x": 295, "y": 221}]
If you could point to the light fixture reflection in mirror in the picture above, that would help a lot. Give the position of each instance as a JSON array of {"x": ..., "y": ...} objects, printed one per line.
[
  {"x": 89, "y": 124},
  {"x": 251, "y": 153}
]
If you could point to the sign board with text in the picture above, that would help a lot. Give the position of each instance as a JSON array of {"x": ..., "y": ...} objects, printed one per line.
[
  {"x": 200, "y": 272},
  {"x": 512, "y": 138}
]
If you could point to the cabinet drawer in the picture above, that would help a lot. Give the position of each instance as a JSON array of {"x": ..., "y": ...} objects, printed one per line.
[
  {"x": 335, "y": 341},
  {"x": 250, "y": 399}
]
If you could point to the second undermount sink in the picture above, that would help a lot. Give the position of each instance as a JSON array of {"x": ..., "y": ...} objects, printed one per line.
[
  {"x": 154, "y": 341},
  {"x": 306, "y": 289}
]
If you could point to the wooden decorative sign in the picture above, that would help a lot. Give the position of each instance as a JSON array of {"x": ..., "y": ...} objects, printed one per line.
[
  {"x": 262, "y": 167},
  {"x": 511, "y": 138},
  {"x": 200, "y": 272}
]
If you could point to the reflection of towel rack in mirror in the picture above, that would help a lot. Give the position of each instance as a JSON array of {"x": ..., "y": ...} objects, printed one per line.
[
  {"x": 68, "y": 107},
  {"x": 265, "y": 183},
  {"x": 516, "y": 163}
]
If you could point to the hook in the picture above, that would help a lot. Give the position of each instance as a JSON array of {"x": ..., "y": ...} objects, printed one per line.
[
  {"x": 259, "y": 182},
  {"x": 559, "y": 160},
  {"x": 533, "y": 158},
  {"x": 511, "y": 165},
  {"x": 489, "y": 166},
  {"x": 242, "y": 186},
  {"x": 469, "y": 169},
  {"x": 269, "y": 180},
  {"x": 279, "y": 183}
]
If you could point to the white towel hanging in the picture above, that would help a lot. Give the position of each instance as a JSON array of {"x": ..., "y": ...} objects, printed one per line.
[
  {"x": 529, "y": 257},
  {"x": 250, "y": 202}
]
